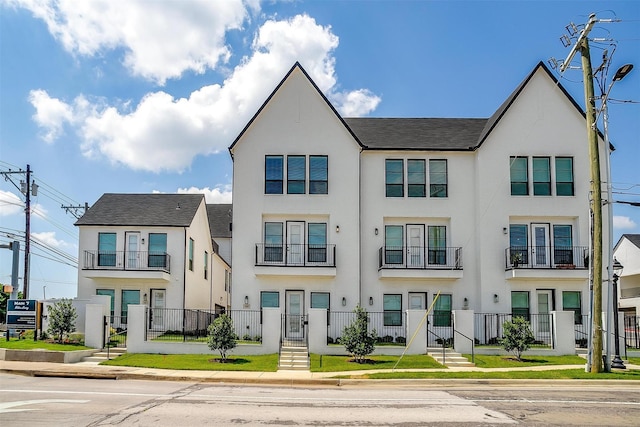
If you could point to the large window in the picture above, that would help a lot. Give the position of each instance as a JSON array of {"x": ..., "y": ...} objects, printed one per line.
[
  {"x": 269, "y": 299},
  {"x": 519, "y": 176},
  {"x": 520, "y": 304},
  {"x": 541, "y": 176},
  {"x": 128, "y": 297},
  {"x": 437, "y": 244},
  {"x": 392, "y": 306},
  {"x": 442, "y": 311},
  {"x": 438, "y": 178},
  {"x": 416, "y": 178},
  {"x": 572, "y": 301},
  {"x": 393, "y": 244},
  {"x": 206, "y": 265},
  {"x": 318, "y": 175},
  {"x": 111, "y": 293},
  {"x": 190, "y": 254},
  {"x": 562, "y": 244},
  {"x": 273, "y": 174},
  {"x": 564, "y": 176},
  {"x": 394, "y": 177},
  {"x": 107, "y": 249},
  {"x": 273, "y": 242},
  {"x": 296, "y": 174},
  {"x": 320, "y": 300},
  {"x": 317, "y": 247},
  {"x": 518, "y": 244},
  {"x": 157, "y": 249}
]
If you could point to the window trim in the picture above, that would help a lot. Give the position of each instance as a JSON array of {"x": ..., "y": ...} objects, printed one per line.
[
  {"x": 527, "y": 316},
  {"x": 107, "y": 257},
  {"x": 541, "y": 188},
  {"x": 442, "y": 315},
  {"x": 269, "y": 293},
  {"x": 421, "y": 174},
  {"x": 512, "y": 170},
  {"x": 206, "y": 265},
  {"x": 577, "y": 311},
  {"x": 292, "y": 182},
  {"x": 267, "y": 176},
  {"x": 325, "y": 168},
  {"x": 328, "y": 296},
  {"x": 396, "y": 319},
  {"x": 570, "y": 184},
  {"x": 434, "y": 189},
  {"x": 190, "y": 259},
  {"x": 124, "y": 308},
  {"x": 393, "y": 186}
]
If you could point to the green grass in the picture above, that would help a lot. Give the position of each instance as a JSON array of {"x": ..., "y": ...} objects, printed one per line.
[
  {"x": 634, "y": 360},
  {"x": 33, "y": 345},
  {"x": 562, "y": 374},
  {"x": 200, "y": 362},
  {"x": 510, "y": 361},
  {"x": 325, "y": 363}
]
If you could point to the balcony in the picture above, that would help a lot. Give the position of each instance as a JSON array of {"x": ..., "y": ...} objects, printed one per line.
[
  {"x": 114, "y": 263},
  {"x": 547, "y": 262},
  {"x": 419, "y": 262},
  {"x": 316, "y": 260}
]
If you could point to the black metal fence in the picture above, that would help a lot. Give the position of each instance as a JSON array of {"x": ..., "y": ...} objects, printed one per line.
[
  {"x": 127, "y": 260},
  {"x": 489, "y": 330},
  {"x": 175, "y": 324},
  {"x": 117, "y": 332},
  {"x": 419, "y": 257},
  {"x": 632, "y": 331},
  {"x": 390, "y": 326},
  {"x": 440, "y": 329},
  {"x": 582, "y": 331}
]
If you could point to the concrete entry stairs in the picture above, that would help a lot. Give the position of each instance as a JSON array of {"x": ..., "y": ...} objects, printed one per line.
[
  {"x": 451, "y": 358},
  {"x": 294, "y": 356},
  {"x": 102, "y": 355}
]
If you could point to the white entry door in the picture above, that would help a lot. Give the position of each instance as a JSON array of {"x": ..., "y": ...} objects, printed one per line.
[
  {"x": 415, "y": 246},
  {"x": 294, "y": 314},
  {"x": 417, "y": 300},
  {"x": 541, "y": 248},
  {"x": 132, "y": 257},
  {"x": 544, "y": 308},
  {"x": 295, "y": 243},
  {"x": 157, "y": 308}
]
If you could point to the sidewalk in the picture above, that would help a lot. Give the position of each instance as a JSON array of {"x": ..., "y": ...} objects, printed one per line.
[{"x": 300, "y": 378}]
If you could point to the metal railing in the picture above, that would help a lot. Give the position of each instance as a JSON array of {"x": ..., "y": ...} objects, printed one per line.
[
  {"x": 390, "y": 326},
  {"x": 632, "y": 331},
  {"x": 176, "y": 324},
  {"x": 295, "y": 255},
  {"x": 489, "y": 331},
  {"x": 127, "y": 260},
  {"x": 419, "y": 257},
  {"x": 294, "y": 330},
  {"x": 440, "y": 329},
  {"x": 582, "y": 331},
  {"x": 559, "y": 257}
]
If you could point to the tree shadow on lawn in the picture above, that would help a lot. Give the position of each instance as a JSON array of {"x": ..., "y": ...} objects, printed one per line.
[
  {"x": 524, "y": 360},
  {"x": 229, "y": 361}
]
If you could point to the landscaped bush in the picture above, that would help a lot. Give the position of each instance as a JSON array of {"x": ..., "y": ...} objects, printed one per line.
[
  {"x": 329, "y": 340},
  {"x": 246, "y": 337},
  {"x": 401, "y": 340},
  {"x": 385, "y": 339},
  {"x": 257, "y": 338}
]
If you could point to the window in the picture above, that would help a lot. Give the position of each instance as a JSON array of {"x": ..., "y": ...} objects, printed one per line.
[
  {"x": 318, "y": 175},
  {"x": 437, "y": 178},
  {"x": 206, "y": 264},
  {"x": 564, "y": 176},
  {"x": 107, "y": 249},
  {"x": 519, "y": 176},
  {"x": 273, "y": 174},
  {"x": 541, "y": 176},
  {"x": 296, "y": 174},
  {"x": 416, "y": 185},
  {"x": 562, "y": 244},
  {"x": 518, "y": 244},
  {"x": 190, "y": 254},
  {"x": 269, "y": 299},
  {"x": 112, "y": 294},
  {"x": 128, "y": 297},
  {"x": 442, "y": 311},
  {"x": 392, "y": 306},
  {"x": 520, "y": 304},
  {"x": 317, "y": 247},
  {"x": 273, "y": 247},
  {"x": 157, "y": 250},
  {"x": 393, "y": 244},
  {"x": 394, "y": 178},
  {"x": 437, "y": 235},
  {"x": 320, "y": 300},
  {"x": 571, "y": 301}
]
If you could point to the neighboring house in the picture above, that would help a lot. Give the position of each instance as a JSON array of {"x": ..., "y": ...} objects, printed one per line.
[
  {"x": 492, "y": 214},
  {"x": 153, "y": 249},
  {"x": 627, "y": 252},
  {"x": 220, "y": 225}
]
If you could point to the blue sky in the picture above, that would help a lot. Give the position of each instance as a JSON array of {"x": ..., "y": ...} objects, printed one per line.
[{"x": 144, "y": 96}]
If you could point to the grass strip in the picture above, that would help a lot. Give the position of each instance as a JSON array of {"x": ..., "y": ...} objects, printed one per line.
[
  {"x": 509, "y": 361},
  {"x": 40, "y": 345},
  {"x": 559, "y": 374},
  {"x": 199, "y": 362},
  {"x": 326, "y": 363}
]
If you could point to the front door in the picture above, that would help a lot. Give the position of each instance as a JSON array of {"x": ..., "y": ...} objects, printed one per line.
[
  {"x": 417, "y": 300},
  {"x": 541, "y": 249},
  {"x": 132, "y": 257},
  {"x": 157, "y": 308},
  {"x": 544, "y": 310},
  {"x": 415, "y": 246},
  {"x": 295, "y": 243},
  {"x": 294, "y": 315}
]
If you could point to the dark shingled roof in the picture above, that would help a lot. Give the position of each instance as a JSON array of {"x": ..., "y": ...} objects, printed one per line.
[
  {"x": 440, "y": 134},
  {"x": 633, "y": 238},
  {"x": 166, "y": 210},
  {"x": 220, "y": 219}
]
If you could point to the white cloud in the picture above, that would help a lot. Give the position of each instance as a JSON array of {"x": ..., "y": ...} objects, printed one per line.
[
  {"x": 51, "y": 114},
  {"x": 623, "y": 223},
  {"x": 10, "y": 204},
  {"x": 49, "y": 238},
  {"x": 162, "y": 133},
  {"x": 211, "y": 195},
  {"x": 160, "y": 39}
]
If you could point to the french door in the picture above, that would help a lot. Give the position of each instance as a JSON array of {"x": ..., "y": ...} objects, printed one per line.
[
  {"x": 132, "y": 257},
  {"x": 540, "y": 249},
  {"x": 295, "y": 243},
  {"x": 294, "y": 315},
  {"x": 157, "y": 307},
  {"x": 415, "y": 246}
]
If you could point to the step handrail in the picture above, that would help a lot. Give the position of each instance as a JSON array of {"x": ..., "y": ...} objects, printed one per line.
[{"x": 455, "y": 331}]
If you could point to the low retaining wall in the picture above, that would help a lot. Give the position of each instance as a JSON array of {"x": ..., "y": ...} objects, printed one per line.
[{"x": 39, "y": 355}]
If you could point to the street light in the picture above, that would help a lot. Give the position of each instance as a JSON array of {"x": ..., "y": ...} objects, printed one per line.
[{"x": 617, "y": 361}]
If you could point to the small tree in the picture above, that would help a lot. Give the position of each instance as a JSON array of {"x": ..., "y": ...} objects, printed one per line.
[
  {"x": 62, "y": 317},
  {"x": 222, "y": 336},
  {"x": 357, "y": 340},
  {"x": 517, "y": 336}
]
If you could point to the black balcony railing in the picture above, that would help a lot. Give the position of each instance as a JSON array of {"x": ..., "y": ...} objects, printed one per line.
[
  {"x": 127, "y": 260},
  {"x": 419, "y": 257},
  {"x": 296, "y": 255},
  {"x": 560, "y": 257}
]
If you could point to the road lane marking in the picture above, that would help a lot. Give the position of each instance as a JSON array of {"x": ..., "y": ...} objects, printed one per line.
[{"x": 6, "y": 407}]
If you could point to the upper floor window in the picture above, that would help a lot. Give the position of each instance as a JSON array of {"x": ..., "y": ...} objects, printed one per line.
[
  {"x": 273, "y": 174},
  {"x": 416, "y": 178},
  {"x": 416, "y": 185},
  {"x": 273, "y": 242},
  {"x": 318, "y": 175},
  {"x": 206, "y": 264},
  {"x": 296, "y": 174},
  {"x": 107, "y": 249},
  {"x": 157, "y": 249},
  {"x": 190, "y": 254},
  {"x": 437, "y": 178},
  {"x": 541, "y": 176},
  {"x": 519, "y": 176},
  {"x": 564, "y": 176},
  {"x": 394, "y": 178}
]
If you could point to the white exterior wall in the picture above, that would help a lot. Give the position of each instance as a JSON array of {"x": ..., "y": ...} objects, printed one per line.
[
  {"x": 628, "y": 255},
  {"x": 297, "y": 121},
  {"x": 220, "y": 273},
  {"x": 199, "y": 291}
]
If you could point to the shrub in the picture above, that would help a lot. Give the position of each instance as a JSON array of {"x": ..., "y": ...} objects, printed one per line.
[
  {"x": 221, "y": 336},
  {"x": 401, "y": 340},
  {"x": 329, "y": 340},
  {"x": 356, "y": 338},
  {"x": 386, "y": 338},
  {"x": 517, "y": 336},
  {"x": 62, "y": 319},
  {"x": 257, "y": 338},
  {"x": 246, "y": 337}
]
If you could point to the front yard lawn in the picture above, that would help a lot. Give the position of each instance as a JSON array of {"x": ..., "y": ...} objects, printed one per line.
[
  {"x": 43, "y": 345},
  {"x": 325, "y": 363},
  {"x": 199, "y": 362},
  {"x": 510, "y": 361},
  {"x": 560, "y": 374}
]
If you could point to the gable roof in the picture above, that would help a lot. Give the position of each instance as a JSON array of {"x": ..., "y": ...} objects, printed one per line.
[
  {"x": 165, "y": 210},
  {"x": 633, "y": 238},
  {"x": 220, "y": 219}
]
